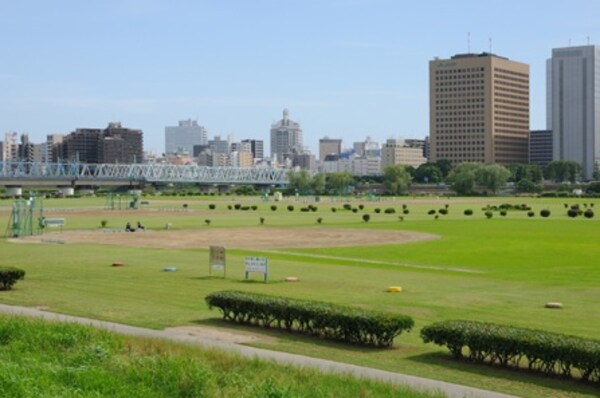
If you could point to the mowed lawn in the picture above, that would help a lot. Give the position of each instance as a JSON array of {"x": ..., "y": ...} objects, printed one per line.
[{"x": 501, "y": 270}]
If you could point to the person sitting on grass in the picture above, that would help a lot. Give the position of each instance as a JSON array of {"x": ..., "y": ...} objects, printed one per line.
[
  {"x": 140, "y": 226},
  {"x": 128, "y": 227}
]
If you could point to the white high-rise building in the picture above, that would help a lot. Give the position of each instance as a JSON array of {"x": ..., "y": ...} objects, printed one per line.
[
  {"x": 183, "y": 137},
  {"x": 573, "y": 102},
  {"x": 286, "y": 138},
  {"x": 10, "y": 149}
]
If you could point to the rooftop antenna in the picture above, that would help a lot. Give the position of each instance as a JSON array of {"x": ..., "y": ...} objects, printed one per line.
[
  {"x": 468, "y": 42},
  {"x": 490, "y": 45},
  {"x": 588, "y": 40},
  {"x": 569, "y": 42}
]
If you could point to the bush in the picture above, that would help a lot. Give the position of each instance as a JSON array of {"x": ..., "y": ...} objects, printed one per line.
[
  {"x": 319, "y": 220},
  {"x": 530, "y": 214},
  {"x": 237, "y": 206},
  {"x": 404, "y": 206},
  {"x": 355, "y": 210},
  {"x": 443, "y": 211},
  {"x": 313, "y": 208},
  {"x": 245, "y": 208},
  {"x": 290, "y": 207},
  {"x": 588, "y": 213},
  {"x": 503, "y": 213},
  {"x": 207, "y": 221},
  {"x": 366, "y": 217},
  {"x": 229, "y": 207},
  {"x": 103, "y": 223},
  {"x": 361, "y": 206},
  {"x": 185, "y": 205},
  {"x": 333, "y": 209},
  {"x": 347, "y": 206},
  {"x": 273, "y": 207},
  {"x": 390, "y": 210},
  {"x": 377, "y": 210},
  {"x": 489, "y": 214},
  {"x": 405, "y": 211},
  {"x": 573, "y": 213},
  {"x": 548, "y": 352},
  {"x": 212, "y": 206},
  {"x": 9, "y": 276},
  {"x": 468, "y": 212},
  {"x": 304, "y": 209},
  {"x": 431, "y": 212},
  {"x": 325, "y": 320},
  {"x": 545, "y": 213}
]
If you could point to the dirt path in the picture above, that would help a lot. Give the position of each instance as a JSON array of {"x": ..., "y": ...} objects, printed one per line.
[
  {"x": 214, "y": 340},
  {"x": 238, "y": 238}
]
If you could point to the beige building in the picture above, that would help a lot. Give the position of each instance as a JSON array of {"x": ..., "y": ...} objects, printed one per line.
[
  {"x": 329, "y": 146},
  {"x": 478, "y": 109},
  {"x": 400, "y": 152}
]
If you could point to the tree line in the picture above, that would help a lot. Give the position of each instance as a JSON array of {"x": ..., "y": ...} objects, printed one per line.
[{"x": 467, "y": 178}]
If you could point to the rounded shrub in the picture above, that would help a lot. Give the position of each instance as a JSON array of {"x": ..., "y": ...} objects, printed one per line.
[
  {"x": 545, "y": 213},
  {"x": 254, "y": 207},
  {"x": 405, "y": 211},
  {"x": 468, "y": 212},
  {"x": 355, "y": 210},
  {"x": 207, "y": 221},
  {"x": 319, "y": 220},
  {"x": 530, "y": 214},
  {"x": 361, "y": 206},
  {"x": 333, "y": 209},
  {"x": 573, "y": 213},
  {"x": 212, "y": 206},
  {"x": 377, "y": 210},
  {"x": 588, "y": 213},
  {"x": 229, "y": 207},
  {"x": 489, "y": 214},
  {"x": 237, "y": 206},
  {"x": 304, "y": 209},
  {"x": 9, "y": 276},
  {"x": 366, "y": 217},
  {"x": 390, "y": 210},
  {"x": 273, "y": 207},
  {"x": 443, "y": 211},
  {"x": 503, "y": 213},
  {"x": 431, "y": 212},
  {"x": 290, "y": 207},
  {"x": 347, "y": 206}
]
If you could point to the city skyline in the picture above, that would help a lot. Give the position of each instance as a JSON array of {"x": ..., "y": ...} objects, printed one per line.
[{"x": 346, "y": 69}]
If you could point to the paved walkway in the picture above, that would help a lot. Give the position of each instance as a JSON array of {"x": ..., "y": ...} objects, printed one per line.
[{"x": 418, "y": 383}]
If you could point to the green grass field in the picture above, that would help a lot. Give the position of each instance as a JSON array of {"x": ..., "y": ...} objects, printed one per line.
[
  {"x": 500, "y": 270},
  {"x": 46, "y": 359}
]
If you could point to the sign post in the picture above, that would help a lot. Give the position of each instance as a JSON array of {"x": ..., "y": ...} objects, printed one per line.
[
  {"x": 217, "y": 260},
  {"x": 257, "y": 264}
]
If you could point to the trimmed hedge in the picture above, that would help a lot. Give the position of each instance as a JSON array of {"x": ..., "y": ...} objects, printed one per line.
[
  {"x": 550, "y": 353},
  {"x": 325, "y": 320},
  {"x": 468, "y": 212},
  {"x": 545, "y": 213},
  {"x": 9, "y": 276}
]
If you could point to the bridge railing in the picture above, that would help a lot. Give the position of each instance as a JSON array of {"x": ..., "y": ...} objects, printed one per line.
[{"x": 141, "y": 172}]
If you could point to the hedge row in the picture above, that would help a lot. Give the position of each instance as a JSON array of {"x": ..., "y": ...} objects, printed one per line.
[
  {"x": 311, "y": 317},
  {"x": 551, "y": 353}
]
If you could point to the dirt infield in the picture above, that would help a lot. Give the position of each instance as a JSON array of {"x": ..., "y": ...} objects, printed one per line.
[{"x": 240, "y": 238}]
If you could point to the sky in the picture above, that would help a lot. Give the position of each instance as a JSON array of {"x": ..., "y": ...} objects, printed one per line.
[{"x": 344, "y": 68}]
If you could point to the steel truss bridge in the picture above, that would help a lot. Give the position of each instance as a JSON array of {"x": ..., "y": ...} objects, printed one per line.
[{"x": 29, "y": 173}]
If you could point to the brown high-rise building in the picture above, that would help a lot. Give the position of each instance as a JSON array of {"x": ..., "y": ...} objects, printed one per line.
[
  {"x": 479, "y": 109},
  {"x": 114, "y": 144}
]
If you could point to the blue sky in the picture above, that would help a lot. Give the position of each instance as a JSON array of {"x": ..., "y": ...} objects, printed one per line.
[{"x": 344, "y": 68}]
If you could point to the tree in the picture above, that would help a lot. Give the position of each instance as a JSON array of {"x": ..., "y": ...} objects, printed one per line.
[
  {"x": 338, "y": 183},
  {"x": 563, "y": 170},
  {"x": 445, "y": 167},
  {"x": 428, "y": 172},
  {"x": 527, "y": 186},
  {"x": 492, "y": 177},
  {"x": 396, "y": 179},
  {"x": 299, "y": 182},
  {"x": 318, "y": 183},
  {"x": 520, "y": 171},
  {"x": 463, "y": 178}
]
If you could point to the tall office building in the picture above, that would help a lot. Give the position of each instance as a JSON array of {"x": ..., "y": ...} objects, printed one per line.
[
  {"x": 286, "y": 138},
  {"x": 478, "y": 109},
  {"x": 10, "y": 148},
  {"x": 183, "y": 137},
  {"x": 573, "y": 101},
  {"x": 256, "y": 147},
  {"x": 329, "y": 146},
  {"x": 540, "y": 147},
  {"x": 52, "y": 140}
]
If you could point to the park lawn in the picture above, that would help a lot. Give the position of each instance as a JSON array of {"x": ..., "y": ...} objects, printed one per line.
[{"x": 500, "y": 270}]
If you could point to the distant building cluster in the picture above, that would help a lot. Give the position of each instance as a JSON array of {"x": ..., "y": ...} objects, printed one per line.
[{"x": 478, "y": 112}]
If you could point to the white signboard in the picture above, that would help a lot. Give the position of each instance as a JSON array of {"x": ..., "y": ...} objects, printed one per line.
[{"x": 257, "y": 264}]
